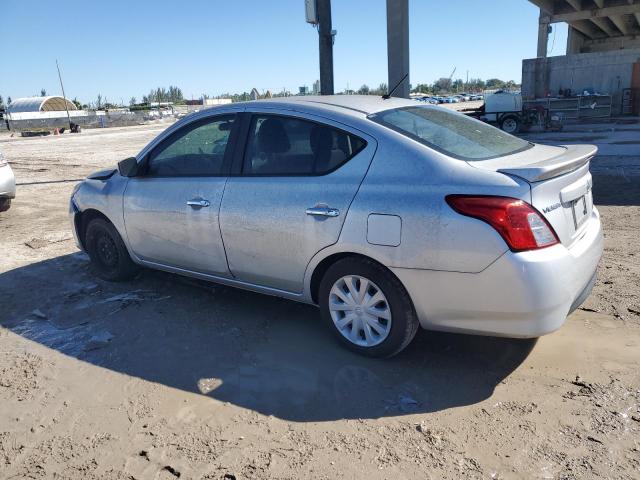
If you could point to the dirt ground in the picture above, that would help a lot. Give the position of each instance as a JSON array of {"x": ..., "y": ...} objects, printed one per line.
[{"x": 165, "y": 377}]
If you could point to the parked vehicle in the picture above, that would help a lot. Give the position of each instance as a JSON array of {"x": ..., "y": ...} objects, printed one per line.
[
  {"x": 387, "y": 214},
  {"x": 7, "y": 184},
  {"x": 429, "y": 100},
  {"x": 505, "y": 109}
]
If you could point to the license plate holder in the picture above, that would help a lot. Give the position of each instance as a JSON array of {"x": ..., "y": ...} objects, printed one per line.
[{"x": 580, "y": 211}]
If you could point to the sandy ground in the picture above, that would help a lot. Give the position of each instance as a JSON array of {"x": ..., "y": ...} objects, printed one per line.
[{"x": 165, "y": 377}]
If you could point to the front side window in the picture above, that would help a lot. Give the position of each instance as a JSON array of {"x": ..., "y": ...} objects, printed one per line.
[
  {"x": 452, "y": 133},
  {"x": 196, "y": 150},
  {"x": 290, "y": 146}
]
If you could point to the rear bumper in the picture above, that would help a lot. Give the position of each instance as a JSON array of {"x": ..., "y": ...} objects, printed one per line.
[
  {"x": 7, "y": 182},
  {"x": 524, "y": 294}
]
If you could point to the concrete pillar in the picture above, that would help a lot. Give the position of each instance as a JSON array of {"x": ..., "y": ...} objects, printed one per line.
[
  {"x": 575, "y": 41},
  {"x": 543, "y": 34},
  {"x": 398, "y": 45}
]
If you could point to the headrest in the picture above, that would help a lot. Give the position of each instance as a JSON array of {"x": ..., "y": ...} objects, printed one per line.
[{"x": 272, "y": 137}]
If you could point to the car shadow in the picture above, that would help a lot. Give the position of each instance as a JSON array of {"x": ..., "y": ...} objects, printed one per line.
[{"x": 258, "y": 352}]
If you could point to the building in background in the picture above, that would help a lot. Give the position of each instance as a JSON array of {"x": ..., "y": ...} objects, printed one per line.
[
  {"x": 603, "y": 53},
  {"x": 210, "y": 102},
  {"x": 316, "y": 87}
]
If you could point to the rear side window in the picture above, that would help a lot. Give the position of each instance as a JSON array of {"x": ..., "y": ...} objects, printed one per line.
[
  {"x": 280, "y": 145},
  {"x": 451, "y": 133}
]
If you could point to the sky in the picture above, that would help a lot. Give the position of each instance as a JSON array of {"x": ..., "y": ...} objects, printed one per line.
[{"x": 124, "y": 48}]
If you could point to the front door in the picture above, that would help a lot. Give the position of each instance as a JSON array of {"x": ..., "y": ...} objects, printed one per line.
[
  {"x": 171, "y": 209},
  {"x": 290, "y": 199}
]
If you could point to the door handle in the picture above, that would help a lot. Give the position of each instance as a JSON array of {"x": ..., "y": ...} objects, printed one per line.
[
  {"x": 198, "y": 203},
  {"x": 323, "y": 211}
]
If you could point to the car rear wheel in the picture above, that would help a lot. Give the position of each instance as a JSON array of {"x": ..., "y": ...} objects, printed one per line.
[
  {"x": 107, "y": 251},
  {"x": 5, "y": 203},
  {"x": 367, "y": 308}
]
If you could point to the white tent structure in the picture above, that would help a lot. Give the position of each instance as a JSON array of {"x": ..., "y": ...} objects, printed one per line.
[
  {"x": 43, "y": 114},
  {"x": 40, "y": 104}
]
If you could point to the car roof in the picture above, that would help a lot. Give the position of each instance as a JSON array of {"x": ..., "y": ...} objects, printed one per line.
[{"x": 356, "y": 104}]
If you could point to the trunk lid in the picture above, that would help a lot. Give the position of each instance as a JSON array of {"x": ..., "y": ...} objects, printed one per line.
[{"x": 560, "y": 184}]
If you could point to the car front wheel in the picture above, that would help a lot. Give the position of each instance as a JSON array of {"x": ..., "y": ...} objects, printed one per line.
[
  {"x": 5, "y": 204},
  {"x": 108, "y": 254},
  {"x": 367, "y": 307}
]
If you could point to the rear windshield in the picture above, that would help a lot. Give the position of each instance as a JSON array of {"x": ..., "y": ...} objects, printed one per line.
[{"x": 451, "y": 133}]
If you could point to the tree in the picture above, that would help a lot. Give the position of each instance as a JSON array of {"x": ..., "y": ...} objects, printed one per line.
[
  {"x": 43, "y": 93},
  {"x": 381, "y": 90},
  {"x": 99, "y": 102},
  {"x": 363, "y": 90},
  {"x": 132, "y": 101},
  {"x": 442, "y": 84},
  {"x": 77, "y": 104},
  {"x": 422, "y": 88},
  {"x": 9, "y": 101},
  {"x": 494, "y": 83},
  {"x": 1, "y": 101}
]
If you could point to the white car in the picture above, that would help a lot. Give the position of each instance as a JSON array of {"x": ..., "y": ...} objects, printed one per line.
[{"x": 7, "y": 184}]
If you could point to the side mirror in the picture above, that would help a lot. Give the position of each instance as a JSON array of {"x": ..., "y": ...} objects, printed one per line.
[{"x": 128, "y": 167}]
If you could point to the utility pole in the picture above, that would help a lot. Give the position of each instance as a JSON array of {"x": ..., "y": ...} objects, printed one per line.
[
  {"x": 398, "y": 46},
  {"x": 325, "y": 37},
  {"x": 66, "y": 107}
]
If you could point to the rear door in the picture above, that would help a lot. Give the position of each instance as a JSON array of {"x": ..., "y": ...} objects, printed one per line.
[
  {"x": 294, "y": 182},
  {"x": 171, "y": 209}
]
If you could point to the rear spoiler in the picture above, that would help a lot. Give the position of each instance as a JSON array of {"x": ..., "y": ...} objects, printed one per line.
[{"x": 573, "y": 158}]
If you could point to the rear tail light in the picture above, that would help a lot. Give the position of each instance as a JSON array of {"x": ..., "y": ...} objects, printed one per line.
[{"x": 519, "y": 224}]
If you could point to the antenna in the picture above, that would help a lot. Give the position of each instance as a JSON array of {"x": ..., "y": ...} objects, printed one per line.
[
  {"x": 66, "y": 107},
  {"x": 387, "y": 96}
]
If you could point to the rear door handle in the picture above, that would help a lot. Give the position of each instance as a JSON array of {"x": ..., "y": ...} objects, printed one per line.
[
  {"x": 198, "y": 203},
  {"x": 323, "y": 211}
]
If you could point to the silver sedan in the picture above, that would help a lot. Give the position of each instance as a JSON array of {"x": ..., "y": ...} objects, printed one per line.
[{"x": 387, "y": 214}]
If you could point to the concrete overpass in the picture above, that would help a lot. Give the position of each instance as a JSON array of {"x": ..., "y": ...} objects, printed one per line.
[
  {"x": 594, "y": 25},
  {"x": 603, "y": 52}
]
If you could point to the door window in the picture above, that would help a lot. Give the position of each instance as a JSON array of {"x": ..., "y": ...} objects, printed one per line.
[
  {"x": 290, "y": 146},
  {"x": 196, "y": 150}
]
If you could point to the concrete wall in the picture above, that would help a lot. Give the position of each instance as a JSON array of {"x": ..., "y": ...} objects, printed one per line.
[{"x": 606, "y": 72}]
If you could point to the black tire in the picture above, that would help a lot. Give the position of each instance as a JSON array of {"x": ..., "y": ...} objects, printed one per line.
[
  {"x": 5, "y": 204},
  {"x": 404, "y": 323},
  {"x": 511, "y": 124},
  {"x": 109, "y": 256}
]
